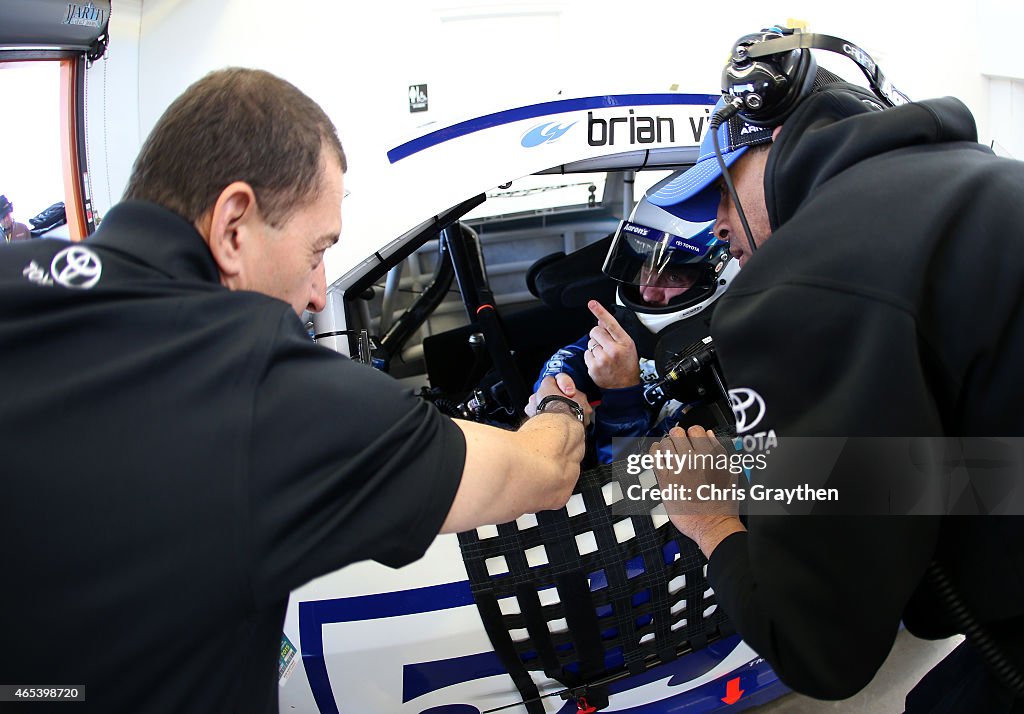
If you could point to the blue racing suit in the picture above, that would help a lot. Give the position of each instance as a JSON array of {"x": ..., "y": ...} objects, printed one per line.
[{"x": 618, "y": 413}]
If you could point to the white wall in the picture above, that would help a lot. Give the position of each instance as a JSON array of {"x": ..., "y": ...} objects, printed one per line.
[
  {"x": 1006, "y": 102},
  {"x": 999, "y": 24},
  {"x": 357, "y": 59}
]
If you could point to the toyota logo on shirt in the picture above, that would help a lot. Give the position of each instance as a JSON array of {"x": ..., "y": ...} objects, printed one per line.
[
  {"x": 76, "y": 267},
  {"x": 748, "y": 407}
]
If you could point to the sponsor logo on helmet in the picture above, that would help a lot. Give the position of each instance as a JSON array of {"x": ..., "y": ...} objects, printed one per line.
[
  {"x": 687, "y": 244},
  {"x": 76, "y": 267},
  {"x": 545, "y": 134},
  {"x": 639, "y": 230},
  {"x": 748, "y": 408},
  {"x": 690, "y": 312}
]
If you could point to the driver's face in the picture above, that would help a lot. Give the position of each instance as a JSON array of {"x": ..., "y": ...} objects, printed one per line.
[{"x": 659, "y": 290}]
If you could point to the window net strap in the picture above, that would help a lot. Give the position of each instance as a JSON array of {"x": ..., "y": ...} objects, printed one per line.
[{"x": 582, "y": 594}]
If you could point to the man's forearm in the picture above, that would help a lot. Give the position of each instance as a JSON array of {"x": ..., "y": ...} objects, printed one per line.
[
  {"x": 509, "y": 473},
  {"x": 555, "y": 443}
]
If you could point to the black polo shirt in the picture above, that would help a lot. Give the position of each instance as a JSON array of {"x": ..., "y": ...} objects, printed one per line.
[{"x": 178, "y": 457}]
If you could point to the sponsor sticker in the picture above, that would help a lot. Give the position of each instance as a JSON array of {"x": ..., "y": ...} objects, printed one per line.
[
  {"x": 545, "y": 134},
  {"x": 286, "y": 662},
  {"x": 418, "y": 98}
]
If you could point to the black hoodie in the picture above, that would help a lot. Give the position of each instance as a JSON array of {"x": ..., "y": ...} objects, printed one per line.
[{"x": 888, "y": 302}]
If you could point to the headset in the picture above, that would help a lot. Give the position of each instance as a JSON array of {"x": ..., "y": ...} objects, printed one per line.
[{"x": 770, "y": 72}]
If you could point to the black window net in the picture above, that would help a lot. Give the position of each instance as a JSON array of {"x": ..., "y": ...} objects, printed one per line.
[{"x": 584, "y": 595}]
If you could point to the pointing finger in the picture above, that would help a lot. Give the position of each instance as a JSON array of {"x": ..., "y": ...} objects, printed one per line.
[{"x": 606, "y": 320}]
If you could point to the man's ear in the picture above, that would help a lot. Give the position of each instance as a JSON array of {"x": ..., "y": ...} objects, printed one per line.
[
  {"x": 775, "y": 132},
  {"x": 228, "y": 228}
]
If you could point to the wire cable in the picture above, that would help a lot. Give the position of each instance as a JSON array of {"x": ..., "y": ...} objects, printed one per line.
[
  {"x": 732, "y": 106},
  {"x": 977, "y": 634}
]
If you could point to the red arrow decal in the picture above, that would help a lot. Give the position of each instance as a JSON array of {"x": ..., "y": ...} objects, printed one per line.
[{"x": 732, "y": 691}]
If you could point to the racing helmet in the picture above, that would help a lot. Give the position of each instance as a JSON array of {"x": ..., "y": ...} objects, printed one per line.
[{"x": 680, "y": 264}]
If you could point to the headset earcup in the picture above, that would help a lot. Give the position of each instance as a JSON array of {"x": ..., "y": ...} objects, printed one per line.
[
  {"x": 800, "y": 83},
  {"x": 770, "y": 85}
]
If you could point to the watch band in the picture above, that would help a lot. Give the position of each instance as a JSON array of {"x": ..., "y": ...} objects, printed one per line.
[{"x": 575, "y": 408}]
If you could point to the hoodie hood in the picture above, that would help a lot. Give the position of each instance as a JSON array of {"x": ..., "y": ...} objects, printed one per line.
[{"x": 841, "y": 125}]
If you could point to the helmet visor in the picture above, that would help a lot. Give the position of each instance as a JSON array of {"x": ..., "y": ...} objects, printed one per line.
[{"x": 644, "y": 256}]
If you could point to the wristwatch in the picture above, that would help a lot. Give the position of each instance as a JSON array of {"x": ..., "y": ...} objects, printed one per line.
[{"x": 576, "y": 409}]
